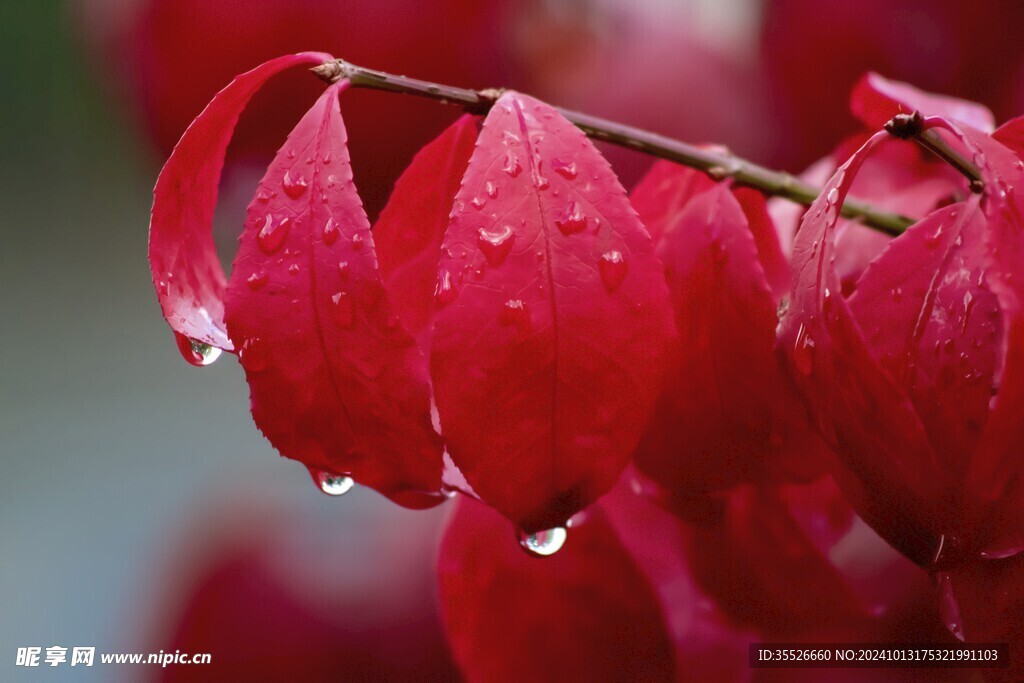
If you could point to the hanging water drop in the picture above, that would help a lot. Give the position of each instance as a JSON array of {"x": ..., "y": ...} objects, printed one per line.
[
  {"x": 543, "y": 543},
  {"x": 612, "y": 268},
  {"x": 344, "y": 271},
  {"x": 294, "y": 187},
  {"x": 492, "y": 190},
  {"x": 273, "y": 233},
  {"x": 197, "y": 353},
  {"x": 357, "y": 242},
  {"x": 335, "y": 484},
  {"x": 495, "y": 243}
]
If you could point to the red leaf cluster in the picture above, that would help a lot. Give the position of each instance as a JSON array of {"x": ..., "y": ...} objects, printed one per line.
[{"x": 516, "y": 329}]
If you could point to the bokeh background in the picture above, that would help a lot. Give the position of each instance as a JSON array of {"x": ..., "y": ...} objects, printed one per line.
[{"x": 140, "y": 510}]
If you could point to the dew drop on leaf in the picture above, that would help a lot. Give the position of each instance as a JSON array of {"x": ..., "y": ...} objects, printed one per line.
[
  {"x": 444, "y": 292},
  {"x": 196, "y": 352},
  {"x": 543, "y": 543},
  {"x": 514, "y": 312},
  {"x": 334, "y": 484},
  {"x": 273, "y": 233},
  {"x": 572, "y": 221},
  {"x": 343, "y": 311},
  {"x": 512, "y": 167},
  {"x": 256, "y": 280},
  {"x": 565, "y": 169},
  {"x": 491, "y": 189},
  {"x": 331, "y": 232},
  {"x": 612, "y": 267},
  {"x": 294, "y": 186},
  {"x": 253, "y": 355},
  {"x": 803, "y": 350},
  {"x": 495, "y": 243}
]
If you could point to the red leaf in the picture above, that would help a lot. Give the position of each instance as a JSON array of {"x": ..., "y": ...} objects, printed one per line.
[
  {"x": 727, "y": 415},
  {"x": 863, "y": 412},
  {"x": 667, "y": 188},
  {"x": 336, "y": 382},
  {"x": 995, "y": 482},
  {"x": 875, "y": 100},
  {"x": 585, "y": 613},
  {"x": 188, "y": 276},
  {"x": 933, "y": 324},
  {"x": 409, "y": 231},
  {"x": 768, "y": 536},
  {"x": 550, "y": 342},
  {"x": 1011, "y": 134}
]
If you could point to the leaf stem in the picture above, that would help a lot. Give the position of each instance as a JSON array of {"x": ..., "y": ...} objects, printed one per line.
[
  {"x": 717, "y": 163},
  {"x": 915, "y": 127}
]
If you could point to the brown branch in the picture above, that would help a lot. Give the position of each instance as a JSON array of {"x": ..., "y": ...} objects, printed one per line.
[{"x": 716, "y": 163}]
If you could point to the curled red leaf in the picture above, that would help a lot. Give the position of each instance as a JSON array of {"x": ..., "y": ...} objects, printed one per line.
[
  {"x": 337, "y": 383},
  {"x": 187, "y": 275},
  {"x": 554, "y": 322},
  {"x": 875, "y": 100},
  {"x": 860, "y": 408}
]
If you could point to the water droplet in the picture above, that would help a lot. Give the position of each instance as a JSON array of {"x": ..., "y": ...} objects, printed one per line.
[
  {"x": 512, "y": 167},
  {"x": 514, "y": 312},
  {"x": 263, "y": 196},
  {"x": 496, "y": 243},
  {"x": 344, "y": 271},
  {"x": 543, "y": 543},
  {"x": 833, "y": 196},
  {"x": 331, "y": 232},
  {"x": 256, "y": 280},
  {"x": 444, "y": 292},
  {"x": 565, "y": 169},
  {"x": 196, "y": 352},
  {"x": 803, "y": 350},
  {"x": 293, "y": 269},
  {"x": 294, "y": 187},
  {"x": 343, "y": 311},
  {"x": 572, "y": 221},
  {"x": 357, "y": 242},
  {"x": 273, "y": 233},
  {"x": 253, "y": 355},
  {"x": 492, "y": 190},
  {"x": 334, "y": 484},
  {"x": 612, "y": 267},
  {"x": 327, "y": 159},
  {"x": 478, "y": 202}
]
